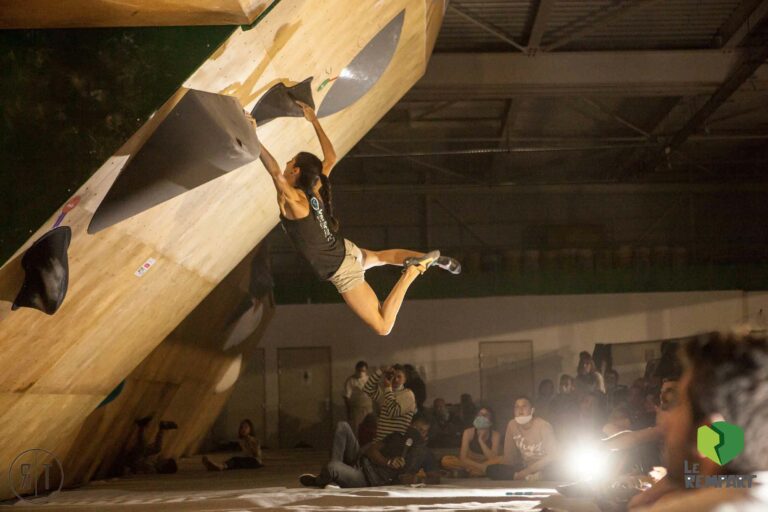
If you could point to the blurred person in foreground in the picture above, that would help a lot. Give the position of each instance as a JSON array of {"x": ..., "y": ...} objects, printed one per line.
[{"x": 725, "y": 378}]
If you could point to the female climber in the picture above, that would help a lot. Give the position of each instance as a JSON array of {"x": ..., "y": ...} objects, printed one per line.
[{"x": 306, "y": 213}]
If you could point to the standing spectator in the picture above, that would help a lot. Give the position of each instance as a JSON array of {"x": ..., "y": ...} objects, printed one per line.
[
  {"x": 544, "y": 399},
  {"x": 415, "y": 383},
  {"x": 397, "y": 405},
  {"x": 530, "y": 446},
  {"x": 358, "y": 404},
  {"x": 250, "y": 446},
  {"x": 587, "y": 371}
]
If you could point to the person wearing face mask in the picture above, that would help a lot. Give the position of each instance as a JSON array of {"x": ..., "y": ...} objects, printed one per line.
[
  {"x": 480, "y": 447},
  {"x": 530, "y": 446},
  {"x": 397, "y": 404},
  {"x": 358, "y": 404}
]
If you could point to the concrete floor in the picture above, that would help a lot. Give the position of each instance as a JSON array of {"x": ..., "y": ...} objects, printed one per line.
[{"x": 276, "y": 487}]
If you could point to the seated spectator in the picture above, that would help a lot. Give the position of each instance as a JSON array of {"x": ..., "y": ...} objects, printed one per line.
[
  {"x": 250, "y": 446},
  {"x": 640, "y": 407},
  {"x": 415, "y": 383},
  {"x": 652, "y": 375},
  {"x": 444, "y": 430},
  {"x": 530, "y": 446},
  {"x": 640, "y": 449},
  {"x": 618, "y": 421},
  {"x": 396, "y": 459},
  {"x": 397, "y": 404},
  {"x": 587, "y": 367},
  {"x": 544, "y": 399},
  {"x": 725, "y": 379},
  {"x": 628, "y": 439},
  {"x": 467, "y": 410},
  {"x": 586, "y": 384},
  {"x": 591, "y": 415},
  {"x": 564, "y": 407},
  {"x": 143, "y": 457},
  {"x": 612, "y": 381},
  {"x": 480, "y": 447}
]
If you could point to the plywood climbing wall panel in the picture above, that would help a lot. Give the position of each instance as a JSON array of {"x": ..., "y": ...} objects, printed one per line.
[
  {"x": 127, "y": 13},
  {"x": 56, "y": 369}
]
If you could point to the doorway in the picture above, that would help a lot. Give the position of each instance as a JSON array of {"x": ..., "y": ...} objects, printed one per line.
[{"x": 304, "y": 387}]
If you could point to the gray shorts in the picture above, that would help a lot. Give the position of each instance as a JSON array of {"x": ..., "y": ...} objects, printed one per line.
[{"x": 350, "y": 273}]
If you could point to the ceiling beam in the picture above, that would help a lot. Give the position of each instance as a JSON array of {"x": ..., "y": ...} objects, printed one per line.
[
  {"x": 498, "y": 150},
  {"x": 387, "y": 152},
  {"x": 616, "y": 117},
  {"x": 515, "y": 140},
  {"x": 464, "y": 13},
  {"x": 630, "y": 164},
  {"x": 753, "y": 58},
  {"x": 539, "y": 27},
  {"x": 433, "y": 109},
  {"x": 745, "y": 18},
  {"x": 585, "y": 27},
  {"x": 562, "y": 188},
  {"x": 464, "y": 76},
  {"x": 496, "y": 169}
]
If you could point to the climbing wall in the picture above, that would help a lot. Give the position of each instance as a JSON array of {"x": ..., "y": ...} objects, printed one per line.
[
  {"x": 133, "y": 282},
  {"x": 187, "y": 378},
  {"x": 127, "y": 13}
]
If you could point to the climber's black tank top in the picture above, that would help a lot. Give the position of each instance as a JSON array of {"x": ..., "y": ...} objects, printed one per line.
[{"x": 313, "y": 238}]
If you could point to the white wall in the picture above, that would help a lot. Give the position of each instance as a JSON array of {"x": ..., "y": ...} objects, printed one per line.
[{"x": 441, "y": 336}]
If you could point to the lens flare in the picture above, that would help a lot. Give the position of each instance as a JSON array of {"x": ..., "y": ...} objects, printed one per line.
[{"x": 587, "y": 462}]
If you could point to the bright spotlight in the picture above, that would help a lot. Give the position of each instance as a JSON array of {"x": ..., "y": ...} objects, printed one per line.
[{"x": 587, "y": 462}]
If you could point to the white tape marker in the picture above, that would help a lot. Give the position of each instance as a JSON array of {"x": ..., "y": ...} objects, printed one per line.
[{"x": 145, "y": 267}]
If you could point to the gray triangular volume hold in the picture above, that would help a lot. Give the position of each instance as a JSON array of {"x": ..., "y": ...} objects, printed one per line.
[
  {"x": 365, "y": 69},
  {"x": 280, "y": 101},
  {"x": 203, "y": 137},
  {"x": 46, "y": 272}
]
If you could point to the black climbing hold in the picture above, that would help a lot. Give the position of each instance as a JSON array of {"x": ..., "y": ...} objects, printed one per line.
[
  {"x": 46, "y": 272},
  {"x": 280, "y": 101}
]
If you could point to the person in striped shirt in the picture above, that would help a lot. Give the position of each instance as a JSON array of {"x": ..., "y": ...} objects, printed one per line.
[{"x": 397, "y": 404}]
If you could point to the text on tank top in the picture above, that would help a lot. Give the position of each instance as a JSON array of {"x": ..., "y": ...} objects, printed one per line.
[{"x": 313, "y": 238}]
